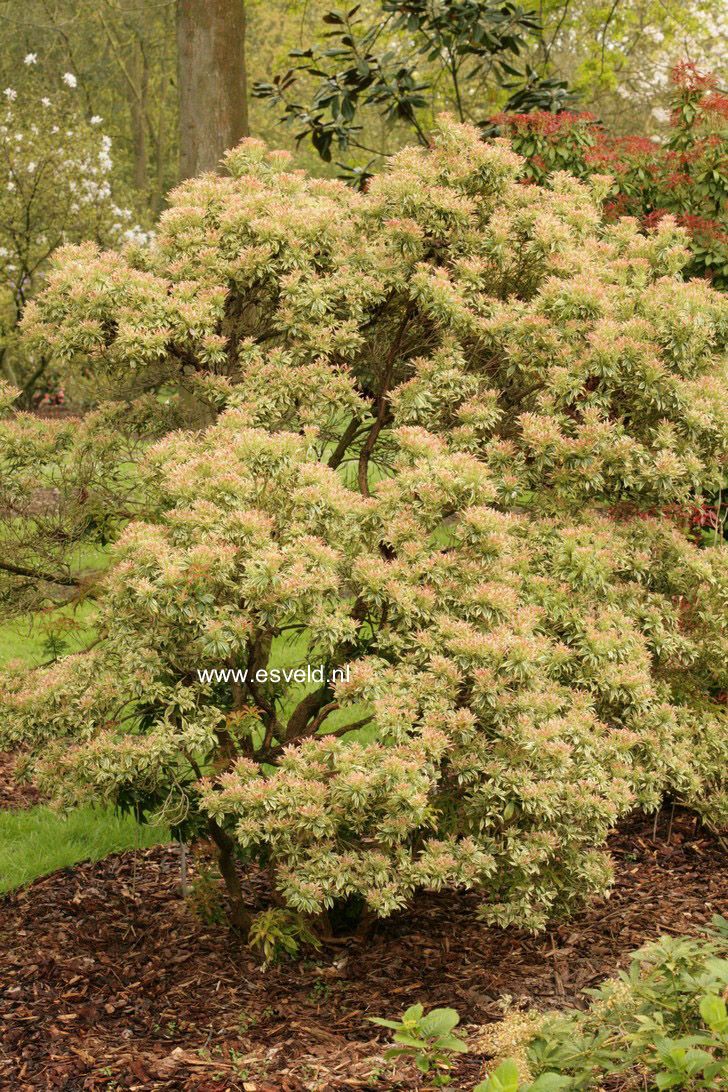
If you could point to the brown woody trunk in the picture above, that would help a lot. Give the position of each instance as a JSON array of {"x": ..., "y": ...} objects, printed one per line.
[
  {"x": 138, "y": 93},
  {"x": 213, "y": 102},
  {"x": 240, "y": 916},
  {"x": 155, "y": 201}
]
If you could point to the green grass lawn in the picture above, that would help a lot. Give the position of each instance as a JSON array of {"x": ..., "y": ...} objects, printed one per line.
[
  {"x": 27, "y": 639},
  {"x": 37, "y": 841}
]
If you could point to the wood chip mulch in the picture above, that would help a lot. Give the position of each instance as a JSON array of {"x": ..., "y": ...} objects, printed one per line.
[{"x": 107, "y": 981}]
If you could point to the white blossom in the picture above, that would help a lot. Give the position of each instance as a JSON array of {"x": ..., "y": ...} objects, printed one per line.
[
  {"x": 105, "y": 162},
  {"x": 137, "y": 236},
  {"x": 96, "y": 119},
  {"x": 46, "y": 102},
  {"x": 10, "y": 93},
  {"x": 30, "y": 58},
  {"x": 69, "y": 79}
]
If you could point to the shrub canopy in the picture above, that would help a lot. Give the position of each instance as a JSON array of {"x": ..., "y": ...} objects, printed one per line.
[{"x": 454, "y": 426}]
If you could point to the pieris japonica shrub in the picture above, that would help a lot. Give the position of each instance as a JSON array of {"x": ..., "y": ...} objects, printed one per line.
[{"x": 442, "y": 436}]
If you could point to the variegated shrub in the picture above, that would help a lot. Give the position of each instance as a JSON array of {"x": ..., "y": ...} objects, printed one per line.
[{"x": 443, "y": 435}]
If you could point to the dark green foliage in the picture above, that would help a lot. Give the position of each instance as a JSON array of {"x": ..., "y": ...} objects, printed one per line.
[{"x": 462, "y": 46}]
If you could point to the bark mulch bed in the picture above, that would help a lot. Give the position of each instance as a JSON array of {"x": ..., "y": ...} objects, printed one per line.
[{"x": 107, "y": 981}]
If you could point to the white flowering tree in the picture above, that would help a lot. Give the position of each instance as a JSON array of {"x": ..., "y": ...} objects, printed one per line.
[
  {"x": 55, "y": 188},
  {"x": 455, "y": 425}
]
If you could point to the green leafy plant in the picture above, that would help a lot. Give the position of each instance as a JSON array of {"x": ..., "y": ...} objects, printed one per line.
[
  {"x": 506, "y": 1079},
  {"x": 665, "y": 1016},
  {"x": 320, "y": 992},
  {"x": 56, "y": 632},
  {"x": 503, "y": 1079},
  {"x": 204, "y": 898},
  {"x": 428, "y": 1039},
  {"x": 277, "y": 933},
  {"x": 664, "y": 1019},
  {"x": 696, "y": 1061}
]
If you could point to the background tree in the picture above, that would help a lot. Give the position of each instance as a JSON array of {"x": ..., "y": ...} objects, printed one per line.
[
  {"x": 617, "y": 55},
  {"x": 212, "y": 80},
  {"x": 376, "y": 73},
  {"x": 123, "y": 56},
  {"x": 407, "y": 59},
  {"x": 56, "y": 187}
]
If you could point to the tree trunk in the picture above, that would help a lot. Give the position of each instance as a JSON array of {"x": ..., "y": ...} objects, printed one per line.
[
  {"x": 240, "y": 917},
  {"x": 155, "y": 201},
  {"x": 138, "y": 108},
  {"x": 212, "y": 80}
]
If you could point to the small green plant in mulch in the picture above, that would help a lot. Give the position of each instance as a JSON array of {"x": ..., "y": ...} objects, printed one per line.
[
  {"x": 205, "y": 898},
  {"x": 430, "y": 1040},
  {"x": 660, "y": 1024},
  {"x": 277, "y": 933}
]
